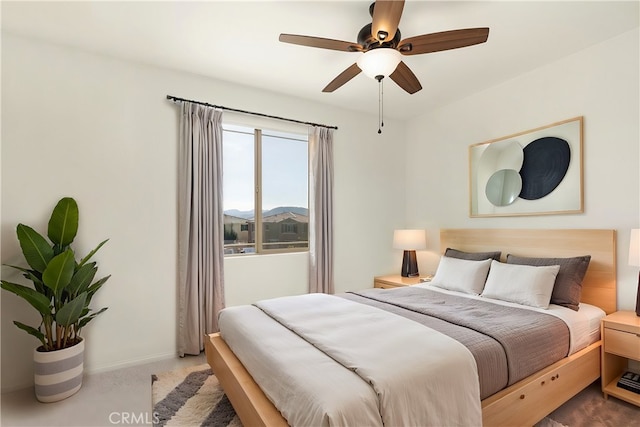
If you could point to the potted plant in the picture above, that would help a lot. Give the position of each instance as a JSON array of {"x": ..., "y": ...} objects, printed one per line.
[{"x": 61, "y": 293}]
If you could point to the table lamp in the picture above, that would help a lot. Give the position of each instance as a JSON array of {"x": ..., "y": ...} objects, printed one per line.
[
  {"x": 634, "y": 259},
  {"x": 409, "y": 241}
]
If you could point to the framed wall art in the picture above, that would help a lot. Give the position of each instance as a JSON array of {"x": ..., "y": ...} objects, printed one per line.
[{"x": 535, "y": 172}]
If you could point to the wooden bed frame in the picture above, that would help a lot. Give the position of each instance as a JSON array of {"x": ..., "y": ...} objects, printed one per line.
[{"x": 523, "y": 403}]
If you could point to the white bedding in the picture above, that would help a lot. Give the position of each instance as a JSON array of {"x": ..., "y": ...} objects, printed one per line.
[
  {"x": 265, "y": 347},
  {"x": 594, "y": 315},
  {"x": 411, "y": 366},
  {"x": 313, "y": 389}
]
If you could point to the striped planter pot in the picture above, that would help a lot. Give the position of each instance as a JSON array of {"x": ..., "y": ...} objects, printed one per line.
[{"x": 58, "y": 374}]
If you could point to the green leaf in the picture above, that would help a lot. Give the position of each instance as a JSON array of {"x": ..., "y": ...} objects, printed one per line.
[
  {"x": 58, "y": 249},
  {"x": 70, "y": 312},
  {"x": 31, "y": 330},
  {"x": 34, "y": 276},
  {"x": 36, "y": 299},
  {"x": 82, "y": 279},
  {"x": 87, "y": 319},
  {"x": 59, "y": 272},
  {"x": 63, "y": 224},
  {"x": 24, "y": 270},
  {"x": 88, "y": 257},
  {"x": 35, "y": 248},
  {"x": 37, "y": 282},
  {"x": 94, "y": 288}
]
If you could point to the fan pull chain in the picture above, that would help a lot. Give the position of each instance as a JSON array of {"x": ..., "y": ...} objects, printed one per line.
[{"x": 380, "y": 103}]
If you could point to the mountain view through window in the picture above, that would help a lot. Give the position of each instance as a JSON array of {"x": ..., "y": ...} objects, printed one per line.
[{"x": 265, "y": 172}]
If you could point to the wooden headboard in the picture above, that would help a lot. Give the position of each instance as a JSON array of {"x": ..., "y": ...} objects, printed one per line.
[{"x": 599, "y": 284}]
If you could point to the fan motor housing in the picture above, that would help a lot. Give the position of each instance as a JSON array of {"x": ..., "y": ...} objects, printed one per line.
[{"x": 367, "y": 41}]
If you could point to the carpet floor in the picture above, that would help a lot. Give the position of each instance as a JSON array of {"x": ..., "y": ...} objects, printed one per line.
[
  {"x": 590, "y": 409},
  {"x": 193, "y": 397}
]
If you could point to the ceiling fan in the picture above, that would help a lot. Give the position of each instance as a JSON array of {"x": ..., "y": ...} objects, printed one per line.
[{"x": 382, "y": 46}]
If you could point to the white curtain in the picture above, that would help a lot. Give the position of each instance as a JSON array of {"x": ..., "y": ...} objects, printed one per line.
[
  {"x": 200, "y": 226},
  {"x": 321, "y": 210}
]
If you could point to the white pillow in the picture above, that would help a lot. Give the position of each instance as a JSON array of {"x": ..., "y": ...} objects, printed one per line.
[
  {"x": 461, "y": 275},
  {"x": 522, "y": 284}
]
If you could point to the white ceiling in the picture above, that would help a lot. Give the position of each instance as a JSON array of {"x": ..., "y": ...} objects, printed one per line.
[{"x": 237, "y": 41}]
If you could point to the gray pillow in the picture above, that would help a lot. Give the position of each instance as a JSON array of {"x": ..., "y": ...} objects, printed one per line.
[
  {"x": 568, "y": 287},
  {"x": 472, "y": 256}
]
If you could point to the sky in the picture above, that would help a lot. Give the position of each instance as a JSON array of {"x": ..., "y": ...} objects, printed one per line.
[{"x": 284, "y": 171}]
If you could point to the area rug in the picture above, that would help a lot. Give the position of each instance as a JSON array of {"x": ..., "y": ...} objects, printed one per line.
[{"x": 191, "y": 397}]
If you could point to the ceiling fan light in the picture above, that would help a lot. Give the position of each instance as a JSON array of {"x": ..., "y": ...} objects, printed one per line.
[{"x": 379, "y": 62}]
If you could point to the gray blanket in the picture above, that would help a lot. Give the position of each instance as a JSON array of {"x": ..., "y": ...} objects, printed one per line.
[{"x": 508, "y": 343}]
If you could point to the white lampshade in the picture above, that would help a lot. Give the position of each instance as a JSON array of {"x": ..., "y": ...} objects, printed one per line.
[
  {"x": 409, "y": 239},
  {"x": 634, "y": 248},
  {"x": 379, "y": 62}
]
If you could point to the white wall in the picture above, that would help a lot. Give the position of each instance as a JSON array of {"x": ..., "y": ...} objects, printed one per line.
[
  {"x": 100, "y": 130},
  {"x": 599, "y": 83}
]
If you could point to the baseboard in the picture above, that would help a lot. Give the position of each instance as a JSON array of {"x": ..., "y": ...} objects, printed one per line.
[
  {"x": 101, "y": 369},
  {"x": 130, "y": 363}
]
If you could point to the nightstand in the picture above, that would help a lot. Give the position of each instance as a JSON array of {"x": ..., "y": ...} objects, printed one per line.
[
  {"x": 620, "y": 332},
  {"x": 394, "y": 281}
]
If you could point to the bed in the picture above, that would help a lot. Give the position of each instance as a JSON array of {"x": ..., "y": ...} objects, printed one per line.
[{"x": 524, "y": 402}]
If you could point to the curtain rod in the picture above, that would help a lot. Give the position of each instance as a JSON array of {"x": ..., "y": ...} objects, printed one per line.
[{"x": 176, "y": 99}]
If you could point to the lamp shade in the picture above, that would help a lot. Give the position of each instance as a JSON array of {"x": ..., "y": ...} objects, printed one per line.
[
  {"x": 409, "y": 239},
  {"x": 379, "y": 62},
  {"x": 634, "y": 248}
]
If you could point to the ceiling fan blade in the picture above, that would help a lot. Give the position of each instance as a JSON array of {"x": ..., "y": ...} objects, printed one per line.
[
  {"x": 342, "y": 78},
  {"x": 386, "y": 17},
  {"x": 445, "y": 40},
  {"x": 320, "y": 42},
  {"x": 405, "y": 78}
]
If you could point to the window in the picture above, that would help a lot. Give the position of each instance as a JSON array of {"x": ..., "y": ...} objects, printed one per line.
[
  {"x": 265, "y": 191},
  {"x": 289, "y": 228}
]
